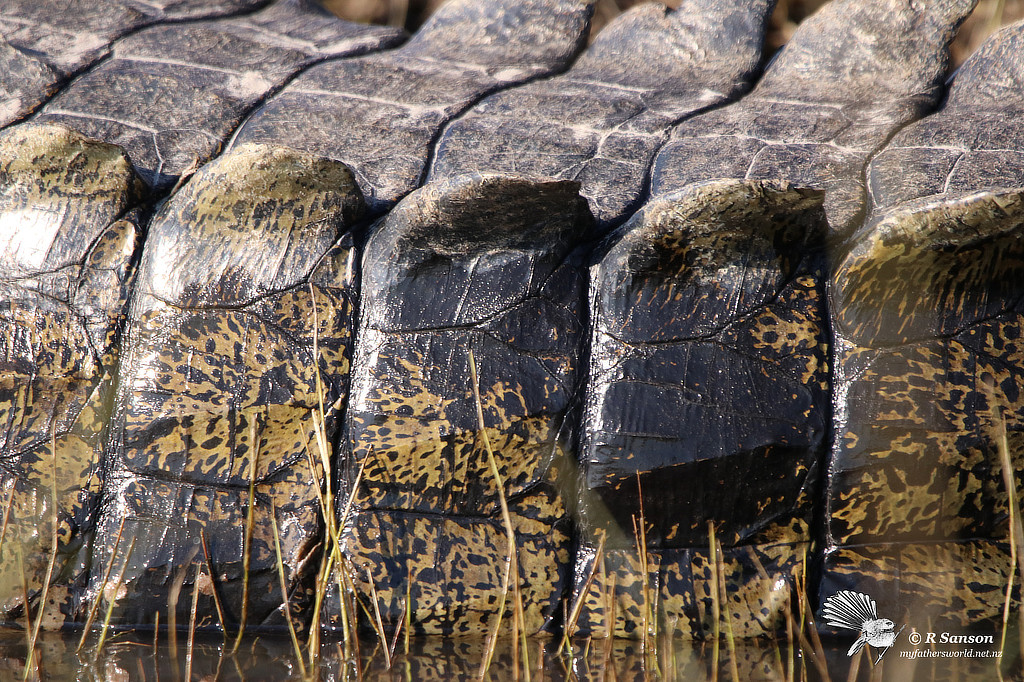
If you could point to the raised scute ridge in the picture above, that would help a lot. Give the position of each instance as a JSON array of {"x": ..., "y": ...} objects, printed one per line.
[
  {"x": 219, "y": 381},
  {"x": 477, "y": 266},
  {"x": 171, "y": 95},
  {"x": 928, "y": 320},
  {"x": 709, "y": 365},
  {"x": 66, "y": 246},
  {"x": 39, "y": 52},
  {"x": 602, "y": 121},
  {"x": 25, "y": 82},
  {"x": 380, "y": 113},
  {"x": 839, "y": 89},
  {"x": 973, "y": 143}
]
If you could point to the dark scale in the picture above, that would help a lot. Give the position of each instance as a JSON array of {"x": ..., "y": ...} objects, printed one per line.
[
  {"x": 195, "y": 425},
  {"x": 928, "y": 303},
  {"x": 709, "y": 386},
  {"x": 445, "y": 277}
]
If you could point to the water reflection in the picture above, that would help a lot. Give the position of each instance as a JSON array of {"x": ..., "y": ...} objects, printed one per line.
[{"x": 133, "y": 656}]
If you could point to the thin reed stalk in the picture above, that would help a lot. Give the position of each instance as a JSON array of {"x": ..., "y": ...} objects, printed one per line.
[
  {"x": 192, "y": 623},
  {"x": 213, "y": 585},
  {"x": 172, "y": 601},
  {"x": 378, "y": 621},
  {"x": 247, "y": 537},
  {"x": 716, "y": 614},
  {"x": 640, "y": 537},
  {"x": 510, "y": 561},
  {"x": 24, "y": 596},
  {"x": 1016, "y": 531},
  {"x": 724, "y": 596},
  {"x": 577, "y": 607},
  {"x": 284, "y": 591},
  {"x": 50, "y": 564},
  {"x": 113, "y": 598},
  {"x": 7, "y": 515},
  {"x": 323, "y": 478},
  {"x": 408, "y": 610},
  {"x": 103, "y": 587}
]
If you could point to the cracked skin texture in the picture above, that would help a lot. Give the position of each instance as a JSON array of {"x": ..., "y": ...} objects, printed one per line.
[
  {"x": 481, "y": 265},
  {"x": 64, "y": 287},
  {"x": 219, "y": 379}
]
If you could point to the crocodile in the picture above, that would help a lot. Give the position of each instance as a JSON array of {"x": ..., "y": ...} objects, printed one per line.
[{"x": 625, "y": 319}]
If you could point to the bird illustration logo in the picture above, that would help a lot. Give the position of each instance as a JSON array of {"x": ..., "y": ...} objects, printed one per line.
[{"x": 857, "y": 611}]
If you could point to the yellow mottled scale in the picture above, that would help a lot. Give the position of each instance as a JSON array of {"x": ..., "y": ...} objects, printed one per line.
[
  {"x": 928, "y": 307},
  {"x": 453, "y": 567},
  {"x": 246, "y": 291},
  {"x": 930, "y": 364},
  {"x": 709, "y": 366},
  {"x": 478, "y": 268},
  {"x": 65, "y": 261},
  {"x": 429, "y": 464},
  {"x": 678, "y": 592},
  {"x": 956, "y": 583}
]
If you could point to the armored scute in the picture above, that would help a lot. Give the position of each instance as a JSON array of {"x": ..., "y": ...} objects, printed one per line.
[
  {"x": 929, "y": 358},
  {"x": 488, "y": 331},
  {"x": 468, "y": 360},
  {"x": 68, "y": 234}
]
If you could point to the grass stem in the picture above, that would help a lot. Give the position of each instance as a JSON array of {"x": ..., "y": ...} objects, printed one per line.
[
  {"x": 284, "y": 591},
  {"x": 103, "y": 588},
  {"x": 247, "y": 538}
]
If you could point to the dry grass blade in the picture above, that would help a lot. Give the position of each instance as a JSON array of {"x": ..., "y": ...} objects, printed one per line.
[
  {"x": 378, "y": 621},
  {"x": 791, "y": 642},
  {"x": 609, "y": 606},
  {"x": 322, "y": 477},
  {"x": 640, "y": 536},
  {"x": 7, "y": 516},
  {"x": 398, "y": 632},
  {"x": 506, "y": 518},
  {"x": 24, "y": 597},
  {"x": 192, "y": 623},
  {"x": 724, "y": 596},
  {"x": 213, "y": 585},
  {"x": 247, "y": 538},
  {"x": 320, "y": 416},
  {"x": 716, "y": 613},
  {"x": 284, "y": 591},
  {"x": 1016, "y": 531},
  {"x": 322, "y": 583},
  {"x": 113, "y": 598},
  {"x": 1009, "y": 585},
  {"x": 172, "y": 601},
  {"x": 50, "y": 564},
  {"x": 818, "y": 659},
  {"x": 808, "y": 618},
  {"x": 103, "y": 587},
  {"x": 577, "y": 607},
  {"x": 408, "y": 610},
  {"x": 349, "y": 611},
  {"x": 855, "y": 667}
]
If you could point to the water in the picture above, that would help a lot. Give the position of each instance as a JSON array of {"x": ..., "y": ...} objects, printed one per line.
[{"x": 133, "y": 656}]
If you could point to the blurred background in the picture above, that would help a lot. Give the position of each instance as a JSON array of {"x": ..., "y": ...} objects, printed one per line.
[{"x": 987, "y": 17}]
